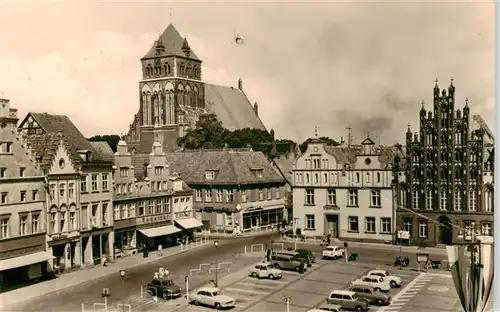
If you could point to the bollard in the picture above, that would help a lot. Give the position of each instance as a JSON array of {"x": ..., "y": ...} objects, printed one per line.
[
  {"x": 83, "y": 307},
  {"x": 245, "y": 249},
  {"x": 142, "y": 293}
]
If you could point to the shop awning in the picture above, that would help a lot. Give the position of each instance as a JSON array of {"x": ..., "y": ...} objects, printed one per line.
[
  {"x": 25, "y": 260},
  {"x": 160, "y": 231},
  {"x": 189, "y": 223}
]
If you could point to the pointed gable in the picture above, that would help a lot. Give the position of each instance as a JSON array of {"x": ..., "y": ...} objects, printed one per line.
[
  {"x": 62, "y": 162},
  {"x": 367, "y": 141},
  {"x": 46, "y": 147},
  {"x": 172, "y": 42}
]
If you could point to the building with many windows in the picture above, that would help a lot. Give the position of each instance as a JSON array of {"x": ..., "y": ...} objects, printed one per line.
[
  {"x": 23, "y": 253},
  {"x": 448, "y": 174},
  {"x": 344, "y": 191},
  {"x": 79, "y": 205},
  {"x": 234, "y": 189},
  {"x": 148, "y": 201}
]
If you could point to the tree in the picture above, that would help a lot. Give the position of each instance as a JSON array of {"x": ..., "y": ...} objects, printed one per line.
[
  {"x": 208, "y": 133},
  {"x": 112, "y": 140},
  {"x": 327, "y": 140}
]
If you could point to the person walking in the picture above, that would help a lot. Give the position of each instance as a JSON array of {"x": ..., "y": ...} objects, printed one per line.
[
  {"x": 160, "y": 250},
  {"x": 268, "y": 257}
]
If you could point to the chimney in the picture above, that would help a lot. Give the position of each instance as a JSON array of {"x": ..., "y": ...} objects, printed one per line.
[
  {"x": 122, "y": 148},
  {"x": 256, "y": 108},
  {"x": 240, "y": 84}
]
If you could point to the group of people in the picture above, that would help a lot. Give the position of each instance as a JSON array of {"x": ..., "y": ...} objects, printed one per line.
[{"x": 161, "y": 273}]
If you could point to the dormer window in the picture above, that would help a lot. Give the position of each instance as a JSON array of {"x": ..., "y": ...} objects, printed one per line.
[
  {"x": 259, "y": 172},
  {"x": 158, "y": 170},
  {"x": 85, "y": 155},
  {"x": 123, "y": 172},
  {"x": 210, "y": 175}
]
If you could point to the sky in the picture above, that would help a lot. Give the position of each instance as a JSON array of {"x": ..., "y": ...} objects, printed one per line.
[{"x": 331, "y": 65}]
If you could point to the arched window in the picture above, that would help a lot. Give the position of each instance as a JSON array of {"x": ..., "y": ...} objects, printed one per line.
[
  {"x": 429, "y": 201},
  {"x": 443, "y": 200},
  {"x": 488, "y": 200},
  {"x": 195, "y": 96},
  {"x": 458, "y": 200},
  {"x": 357, "y": 177},
  {"x": 378, "y": 177},
  {"x": 415, "y": 198},
  {"x": 472, "y": 201}
]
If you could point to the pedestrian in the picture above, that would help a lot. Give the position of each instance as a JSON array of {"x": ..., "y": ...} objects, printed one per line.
[
  {"x": 160, "y": 250},
  {"x": 328, "y": 239},
  {"x": 104, "y": 260},
  {"x": 268, "y": 255},
  {"x": 157, "y": 275},
  {"x": 302, "y": 266}
]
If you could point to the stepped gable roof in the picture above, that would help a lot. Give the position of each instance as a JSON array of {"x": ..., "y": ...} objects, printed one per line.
[
  {"x": 74, "y": 138},
  {"x": 172, "y": 42},
  {"x": 232, "y": 167},
  {"x": 232, "y": 107},
  {"x": 44, "y": 148},
  {"x": 104, "y": 149},
  {"x": 387, "y": 154}
]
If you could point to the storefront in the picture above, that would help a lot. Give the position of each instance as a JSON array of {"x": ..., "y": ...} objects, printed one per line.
[
  {"x": 96, "y": 244},
  {"x": 258, "y": 216},
  {"x": 152, "y": 231},
  {"x": 125, "y": 232},
  {"x": 66, "y": 250},
  {"x": 188, "y": 226}
]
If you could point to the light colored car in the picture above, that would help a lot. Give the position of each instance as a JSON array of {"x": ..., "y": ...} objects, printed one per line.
[
  {"x": 328, "y": 307},
  {"x": 265, "y": 270},
  {"x": 394, "y": 281},
  {"x": 348, "y": 300},
  {"x": 333, "y": 252},
  {"x": 377, "y": 282},
  {"x": 212, "y": 297}
]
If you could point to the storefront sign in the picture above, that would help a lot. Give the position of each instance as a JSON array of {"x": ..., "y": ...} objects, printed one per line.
[
  {"x": 403, "y": 235},
  {"x": 253, "y": 208},
  {"x": 331, "y": 208},
  {"x": 183, "y": 214},
  {"x": 20, "y": 252},
  {"x": 59, "y": 236},
  {"x": 97, "y": 232},
  {"x": 152, "y": 219},
  {"x": 119, "y": 224}
]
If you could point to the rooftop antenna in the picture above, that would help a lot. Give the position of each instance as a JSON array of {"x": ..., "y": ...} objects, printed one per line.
[
  {"x": 170, "y": 14},
  {"x": 316, "y": 132},
  {"x": 349, "y": 136}
]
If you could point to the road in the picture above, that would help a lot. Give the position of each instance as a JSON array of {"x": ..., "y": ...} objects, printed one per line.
[{"x": 129, "y": 292}]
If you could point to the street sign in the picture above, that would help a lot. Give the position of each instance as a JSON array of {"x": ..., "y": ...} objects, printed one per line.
[
  {"x": 105, "y": 292},
  {"x": 403, "y": 235},
  {"x": 345, "y": 244},
  {"x": 288, "y": 299},
  {"x": 422, "y": 257}
]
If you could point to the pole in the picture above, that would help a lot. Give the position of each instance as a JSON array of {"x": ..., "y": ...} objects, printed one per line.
[
  {"x": 123, "y": 298},
  {"x": 216, "y": 269},
  {"x": 400, "y": 252},
  {"x": 187, "y": 288},
  {"x": 106, "y": 303},
  {"x": 288, "y": 306}
]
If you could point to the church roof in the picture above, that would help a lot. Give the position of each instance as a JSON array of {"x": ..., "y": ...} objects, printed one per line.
[
  {"x": 172, "y": 42},
  {"x": 232, "y": 107}
]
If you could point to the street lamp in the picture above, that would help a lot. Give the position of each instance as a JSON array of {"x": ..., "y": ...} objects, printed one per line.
[
  {"x": 216, "y": 244},
  {"x": 122, "y": 275}
]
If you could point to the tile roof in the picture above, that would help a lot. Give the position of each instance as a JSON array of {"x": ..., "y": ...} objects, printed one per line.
[
  {"x": 104, "y": 149},
  {"x": 232, "y": 107},
  {"x": 75, "y": 139},
  {"x": 345, "y": 154},
  {"x": 285, "y": 165},
  {"x": 233, "y": 166},
  {"x": 44, "y": 147},
  {"x": 172, "y": 42}
]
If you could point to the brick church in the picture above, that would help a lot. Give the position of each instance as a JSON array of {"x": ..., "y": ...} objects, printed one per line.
[{"x": 172, "y": 96}]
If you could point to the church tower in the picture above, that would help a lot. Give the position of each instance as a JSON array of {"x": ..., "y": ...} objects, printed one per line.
[{"x": 170, "y": 89}]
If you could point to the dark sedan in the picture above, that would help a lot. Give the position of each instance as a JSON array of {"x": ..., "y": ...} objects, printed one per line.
[
  {"x": 306, "y": 254},
  {"x": 371, "y": 295}
]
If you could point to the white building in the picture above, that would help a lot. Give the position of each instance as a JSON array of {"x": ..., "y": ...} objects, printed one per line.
[{"x": 345, "y": 191}]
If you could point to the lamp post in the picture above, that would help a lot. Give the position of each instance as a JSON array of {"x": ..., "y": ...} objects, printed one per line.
[
  {"x": 122, "y": 275},
  {"x": 216, "y": 244}
]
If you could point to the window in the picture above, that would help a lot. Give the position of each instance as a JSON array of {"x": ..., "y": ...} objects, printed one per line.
[
  {"x": 310, "y": 222},
  {"x": 415, "y": 198},
  {"x": 244, "y": 196},
  {"x": 472, "y": 201},
  {"x": 442, "y": 198},
  {"x": 94, "y": 183},
  {"x": 261, "y": 194},
  {"x": 307, "y": 178},
  {"x": 105, "y": 182},
  {"x": 486, "y": 229},
  {"x": 229, "y": 196},
  {"x": 422, "y": 229},
  {"x": 488, "y": 200},
  {"x": 129, "y": 188},
  {"x": 208, "y": 195},
  {"x": 62, "y": 189},
  {"x": 370, "y": 225},
  {"x": 150, "y": 207},
  {"x": 158, "y": 170},
  {"x": 124, "y": 211},
  {"x": 199, "y": 195},
  {"x": 131, "y": 210},
  {"x": 376, "y": 198},
  {"x": 407, "y": 225},
  {"x": 22, "y": 171},
  {"x": 52, "y": 222},
  {"x": 352, "y": 198},
  {"x": 269, "y": 194},
  {"x": 158, "y": 205},
  {"x": 35, "y": 222},
  {"x": 123, "y": 172},
  {"x": 105, "y": 214},
  {"x": 309, "y": 197},
  {"x": 429, "y": 200},
  {"x": 385, "y": 225},
  {"x": 219, "y": 196},
  {"x": 23, "y": 196},
  {"x": 353, "y": 224},
  {"x": 4, "y": 228},
  {"x": 316, "y": 178},
  {"x": 52, "y": 189},
  {"x": 378, "y": 177},
  {"x": 259, "y": 173},
  {"x": 4, "y": 197},
  {"x": 331, "y": 197},
  {"x": 458, "y": 200},
  {"x": 23, "y": 224},
  {"x": 316, "y": 162},
  {"x": 83, "y": 184},
  {"x": 141, "y": 208},
  {"x": 3, "y": 172},
  {"x": 278, "y": 195},
  {"x": 325, "y": 178},
  {"x": 210, "y": 175},
  {"x": 62, "y": 221},
  {"x": 229, "y": 219},
  {"x": 72, "y": 220},
  {"x": 357, "y": 177},
  {"x": 116, "y": 212},
  {"x": 34, "y": 195}
]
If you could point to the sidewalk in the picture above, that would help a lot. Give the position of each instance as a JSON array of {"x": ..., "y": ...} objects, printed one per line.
[
  {"x": 87, "y": 274},
  {"x": 224, "y": 235}
]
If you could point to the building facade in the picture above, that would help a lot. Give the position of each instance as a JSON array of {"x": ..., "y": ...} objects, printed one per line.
[
  {"x": 172, "y": 96},
  {"x": 234, "y": 189},
  {"x": 344, "y": 191},
  {"x": 23, "y": 254},
  {"x": 148, "y": 200},
  {"x": 448, "y": 175},
  {"x": 80, "y": 225}
]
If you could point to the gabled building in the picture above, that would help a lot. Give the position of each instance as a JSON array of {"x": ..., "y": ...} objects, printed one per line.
[
  {"x": 80, "y": 201},
  {"x": 448, "y": 174},
  {"x": 172, "y": 96},
  {"x": 147, "y": 196},
  {"x": 23, "y": 254},
  {"x": 234, "y": 189},
  {"x": 344, "y": 191}
]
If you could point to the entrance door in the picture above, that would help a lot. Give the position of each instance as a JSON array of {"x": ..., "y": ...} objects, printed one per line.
[
  {"x": 332, "y": 225},
  {"x": 445, "y": 230}
]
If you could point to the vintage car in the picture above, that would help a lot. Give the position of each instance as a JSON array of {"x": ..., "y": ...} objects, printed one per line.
[
  {"x": 333, "y": 252},
  {"x": 394, "y": 281},
  {"x": 327, "y": 307},
  {"x": 164, "y": 288},
  {"x": 348, "y": 300},
  {"x": 369, "y": 293},
  {"x": 212, "y": 297},
  {"x": 377, "y": 282},
  {"x": 265, "y": 270}
]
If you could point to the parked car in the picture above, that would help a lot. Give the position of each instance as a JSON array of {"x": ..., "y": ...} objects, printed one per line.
[
  {"x": 378, "y": 283},
  {"x": 333, "y": 252},
  {"x": 287, "y": 262},
  {"x": 265, "y": 270},
  {"x": 307, "y": 253},
  {"x": 348, "y": 300},
  {"x": 164, "y": 288},
  {"x": 212, "y": 297},
  {"x": 369, "y": 293},
  {"x": 394, "y": 281},
  {"x": 295, "y": 254},
  {"x": 327, "y": 307}
]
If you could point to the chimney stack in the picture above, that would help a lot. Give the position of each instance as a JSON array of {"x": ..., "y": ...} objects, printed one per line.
[
  {"x": 256, "y": 108},
  {"x": 240, "y": 84}
]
